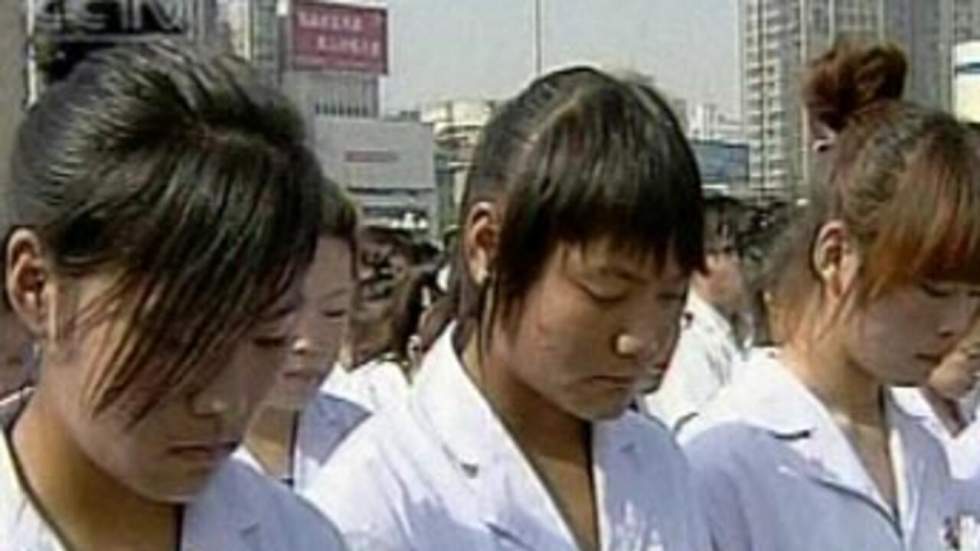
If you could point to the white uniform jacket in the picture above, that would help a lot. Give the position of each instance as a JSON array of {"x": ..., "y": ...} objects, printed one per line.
[
  {"x": 239, "y": 510},
  {"x": 776, "y": 473},
  {"x": 704, "y": 362},
  {"x": 373, "y": 386},
  {"x": 323, "y": 425},
  {"x": 441, "y": 472}
]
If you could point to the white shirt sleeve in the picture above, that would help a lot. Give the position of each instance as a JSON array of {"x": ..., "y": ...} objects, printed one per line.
[{"x": 696, "y": 374}]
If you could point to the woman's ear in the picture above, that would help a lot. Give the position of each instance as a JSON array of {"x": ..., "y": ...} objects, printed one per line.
[
  {"x": 28, "y": 282},
  {"x": 834, "y": 259},
  {"x": 480, "y": 237}
]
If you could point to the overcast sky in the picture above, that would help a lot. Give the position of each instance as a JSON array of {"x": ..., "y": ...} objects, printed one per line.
[{"x": 444, "y": 49}]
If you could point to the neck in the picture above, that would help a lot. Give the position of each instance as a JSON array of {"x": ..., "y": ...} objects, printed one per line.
[
  {"x": 824, "y": 368},
  {"x": 538, "y": 426},
  {"x": 83, "y": 502},
  {"x": 270, "y": 439}
]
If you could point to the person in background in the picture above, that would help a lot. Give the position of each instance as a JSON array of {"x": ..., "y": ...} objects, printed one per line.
[
  {"x": 710, "y": 345},
  {"x": 808, "y": 450},
  {"x": 299, "y": 427},
  {"x": 580, "y": 227},
  {"x": 161, "y": 213},
  {"x": 947, "y": 404},
  {"x": 384, "y": 344}
]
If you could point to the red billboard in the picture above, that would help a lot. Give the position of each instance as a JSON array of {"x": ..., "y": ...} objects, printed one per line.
[{"x": 339, "y": 37}]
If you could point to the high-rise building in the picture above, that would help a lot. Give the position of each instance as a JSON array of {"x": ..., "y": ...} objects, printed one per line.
[
  {"x": 779, "y": 38},
  {"x": 706, "y": 121},
  {"x": 253, "y": 32},
  {"x": 965, "y": 20}
]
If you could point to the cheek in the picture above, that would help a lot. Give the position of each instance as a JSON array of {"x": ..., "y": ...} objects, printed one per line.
[
  {"x": 560, "y": 337},
  {"x": 567, "y": 320},
  {"x": 259, "y": 371},
  {"x": 893, "y": 322}
]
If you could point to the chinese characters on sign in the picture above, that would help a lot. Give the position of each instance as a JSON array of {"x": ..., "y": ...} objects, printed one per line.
[{"x": 340, "y": 38}]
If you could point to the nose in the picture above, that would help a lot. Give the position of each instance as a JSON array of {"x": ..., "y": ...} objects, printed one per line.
[
  {"x": 302, "y": 346},
  {"x": 629, "y": 345},
  {"x": 224, "y": 397}
]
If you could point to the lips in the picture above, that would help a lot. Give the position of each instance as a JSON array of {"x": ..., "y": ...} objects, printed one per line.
[
  {"x": 301, "y": 375},
  {"x": 934, "y": 359},
  {"x": 625, "y": 382},
  {"x": 204, "y": 453}
]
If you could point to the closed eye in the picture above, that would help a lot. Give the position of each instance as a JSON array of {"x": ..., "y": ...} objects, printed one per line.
[
  {"x": 270, "y": 341},
  {"x": 334, "y": 314},
  {"x": 934, "y": 291},
  {"x": 603, "y": 296}
]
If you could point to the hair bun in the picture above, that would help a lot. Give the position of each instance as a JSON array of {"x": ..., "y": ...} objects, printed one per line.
[{"x": 851, "y": 77}]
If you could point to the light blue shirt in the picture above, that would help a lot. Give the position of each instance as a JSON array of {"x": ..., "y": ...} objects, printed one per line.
[
  {"x": 776, "y": 473},
  {"x": 238, "y": 510}
]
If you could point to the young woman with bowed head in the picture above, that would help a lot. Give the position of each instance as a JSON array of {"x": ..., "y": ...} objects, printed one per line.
[
  {"x": 809, "y": 450},
  {"x": 299, "y": 427},
  {"x": 160, "y": 216},
  {"x": 581, "y": 225}
]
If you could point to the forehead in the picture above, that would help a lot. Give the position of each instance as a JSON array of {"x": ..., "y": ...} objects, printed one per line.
[
  {"x": 334, "y": 256},
  {"x": 606, "y": 257}
]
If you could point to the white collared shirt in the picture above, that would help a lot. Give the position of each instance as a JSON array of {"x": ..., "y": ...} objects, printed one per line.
[
  {"x": 238, "y": 510},
  {"x": 373, "y": 386},
  {"x": 962, "y": 450},
  {"x": 441, "y": 472},
  {"x": 776, "y": 473},
  {"x": 323, "y": 425},
  {"x": 704, "y": 362}
]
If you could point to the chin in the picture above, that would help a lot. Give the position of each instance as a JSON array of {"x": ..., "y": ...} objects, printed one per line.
[
  {"x": 911, "y": 380},
  {"x": 604, "y": 412},
  {"x": 175, "y": 493}
]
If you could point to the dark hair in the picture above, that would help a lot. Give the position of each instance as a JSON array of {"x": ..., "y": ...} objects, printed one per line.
[
  {"x": 904, "y": 179},
  {"x": 579, "y": 156},
  {"x": 182, "y": 173},
  {"x": 722, "y": 215}
]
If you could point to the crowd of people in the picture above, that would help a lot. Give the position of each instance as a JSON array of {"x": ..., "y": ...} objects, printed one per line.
[{"x": 203, "y": 348}]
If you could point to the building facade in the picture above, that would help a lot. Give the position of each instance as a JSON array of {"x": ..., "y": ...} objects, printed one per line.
[
  {"x": 388, "y": 166},
  {"x": 779, "y": 37}
]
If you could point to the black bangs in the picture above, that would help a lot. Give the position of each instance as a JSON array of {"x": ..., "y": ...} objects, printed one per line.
[
  {"x": 611, "y": 163},
  {"x": 190, "y": 181},
  {"x": 216, "y": 246}
]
